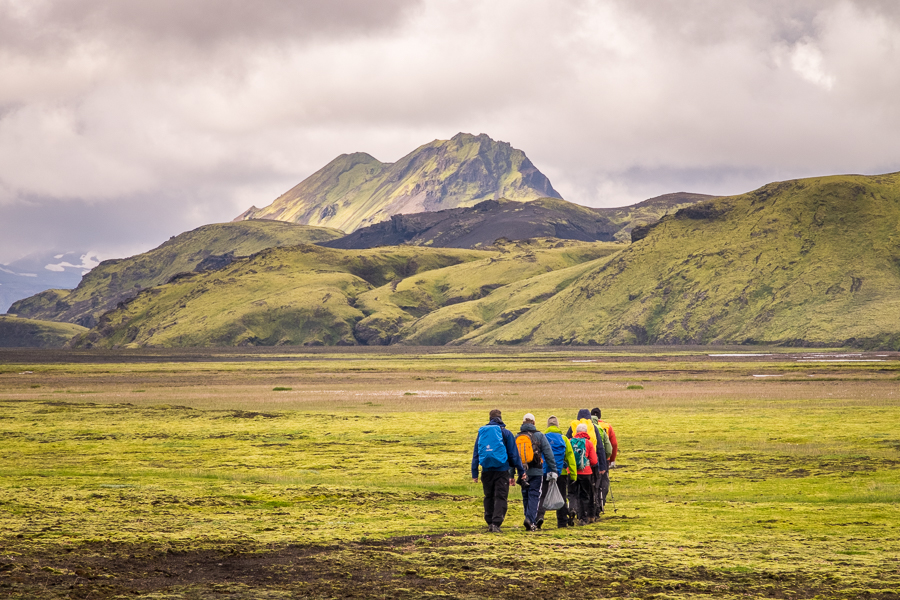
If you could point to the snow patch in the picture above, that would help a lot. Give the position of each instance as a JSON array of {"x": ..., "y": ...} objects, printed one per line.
[{"x": 88, "y": 261}]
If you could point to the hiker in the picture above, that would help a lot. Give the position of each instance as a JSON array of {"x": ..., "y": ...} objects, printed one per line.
[
  {"x": 586, "y": 461},
  {"x": 565, "y": 469},
  {"x": 602, "y": 489},
  {"x": 584, "y": 418},
  {"x": 495, "y": 450},
  {"x": 612, "y": 437},
  {"x": 536, "y": 455}
]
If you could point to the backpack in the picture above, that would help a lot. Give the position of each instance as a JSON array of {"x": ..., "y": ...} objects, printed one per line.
[
  {"x": 592, "y": 433},
  {"x": 581, "y": 455},
  {"x": 530, "y": 455},
  {"x": 558, "y": 446},
  {"x": 491, "y": 449}
]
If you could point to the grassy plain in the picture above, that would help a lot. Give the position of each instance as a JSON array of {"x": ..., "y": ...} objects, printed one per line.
[{"x": 185, "y": 474}]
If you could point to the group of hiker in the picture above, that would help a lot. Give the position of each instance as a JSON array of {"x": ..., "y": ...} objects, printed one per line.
[{"x": 576, "y": 463}]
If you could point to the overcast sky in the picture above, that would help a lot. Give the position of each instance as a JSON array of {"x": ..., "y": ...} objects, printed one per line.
[{"x": 123, "y": 123}]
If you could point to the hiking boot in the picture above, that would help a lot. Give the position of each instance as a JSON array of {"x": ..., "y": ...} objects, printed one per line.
[
  {"x": 562, "y": 525},
  {"x": 494, "y": 529},
  {"x": 529, "y": 526},
  {"x": 539, "y": 524},
  {"x": 571, "y": 520}
]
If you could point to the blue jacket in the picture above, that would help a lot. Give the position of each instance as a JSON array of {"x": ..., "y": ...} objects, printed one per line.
[{"x": 509, "y": 440}]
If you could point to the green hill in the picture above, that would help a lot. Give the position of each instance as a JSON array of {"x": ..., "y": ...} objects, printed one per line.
[
  {"x": 469, "y": 322},
  {"x": 355, "y": 190},
  {"x": 812, "y": 262},
  {"x": 310, "y": 295},
  {"x": 297, "y": 295},
  {"x": 642, "y": 214},
  {"x": 29, "y": 333},
  {"x": 809, "y": 262},
  {"x": 207, "y": 247},
  {"x": 394, "y": 311}
]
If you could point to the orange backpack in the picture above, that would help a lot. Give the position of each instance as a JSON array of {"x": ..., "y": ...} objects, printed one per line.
[{"x": 531, "y": 456}]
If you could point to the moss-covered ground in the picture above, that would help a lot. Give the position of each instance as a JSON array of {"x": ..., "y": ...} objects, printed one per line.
[{"x": 164, "y": 474}]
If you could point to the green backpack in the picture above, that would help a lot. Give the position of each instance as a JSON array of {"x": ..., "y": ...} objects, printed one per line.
[{"x": 579, "y": 447}]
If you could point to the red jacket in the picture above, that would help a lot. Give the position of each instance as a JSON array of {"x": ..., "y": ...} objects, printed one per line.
[
  {"x": 591, "y": 452},
  {"x": 612, "y": 438}
]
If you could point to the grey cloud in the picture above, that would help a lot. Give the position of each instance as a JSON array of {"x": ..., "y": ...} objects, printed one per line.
[
  {"x": 126, "y": 122},
  {"x": 42, "y": 25}
]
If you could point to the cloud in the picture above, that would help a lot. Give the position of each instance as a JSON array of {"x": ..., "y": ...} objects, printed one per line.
[
  {"x": 807, "y": 61},
  {"x": 123, "y": 123},
  {"x": 18, "y": 274}
]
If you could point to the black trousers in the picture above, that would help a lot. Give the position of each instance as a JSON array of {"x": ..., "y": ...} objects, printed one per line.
[
  {"x": 580, "y": 495},
  {"x": 563, "y": 513},
  {"x": 604, "y": 489},
  {"x": 496, "y": 491},
  {"x": 601, "y": 491}
]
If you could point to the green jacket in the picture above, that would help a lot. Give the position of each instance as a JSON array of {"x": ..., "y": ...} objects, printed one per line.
[
  {"x": 566, "y": 460},
  {"x": 606, "y": 443}
]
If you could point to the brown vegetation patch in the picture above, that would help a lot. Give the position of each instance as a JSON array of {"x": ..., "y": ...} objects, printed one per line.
[{"x": 396, "y": 567}]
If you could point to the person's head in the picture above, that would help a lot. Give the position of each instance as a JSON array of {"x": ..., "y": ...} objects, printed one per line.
[
  {"x": 528, "y": 418},
  {"x": 552, "y": 421},
  {"x": 583, "y": 414},
  {"x": 582, "y": 428},
  {"x": 495, "y": 414},
  {"x": 595, "y": 412}
]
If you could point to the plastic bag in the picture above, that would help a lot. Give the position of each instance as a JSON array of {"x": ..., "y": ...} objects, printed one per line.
[{"x": 553, "y": 500}]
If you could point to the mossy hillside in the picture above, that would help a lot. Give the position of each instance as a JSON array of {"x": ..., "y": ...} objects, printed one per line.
[
  {"x": 390, "y": 308},
  {"x": 347, "y": 176},
  {"x": 30, "y": 333},
  {"x": 466, "y": 322},
  {"x": 46, "y": 303},
  {"x": 206, "y": 482},
  {"x": 296, "y": 295},
  {"x": 812, "y": 261},
  {"x": 649, "y": 211},
  {"x": 114, "y": 281},
  {"x": 357, "y": 190}
]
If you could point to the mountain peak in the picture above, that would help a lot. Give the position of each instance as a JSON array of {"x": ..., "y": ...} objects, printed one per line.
[{"x": 356, "y": 190}]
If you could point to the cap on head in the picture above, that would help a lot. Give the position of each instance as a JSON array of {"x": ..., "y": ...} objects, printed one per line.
[
  {"x": 495, "y": 414},
  {"x": 582, "y": 428},
  {"x": 528, "y": 417},
  {"x": 552, "y": 422},
  {"x": 595, "y": 412}
]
